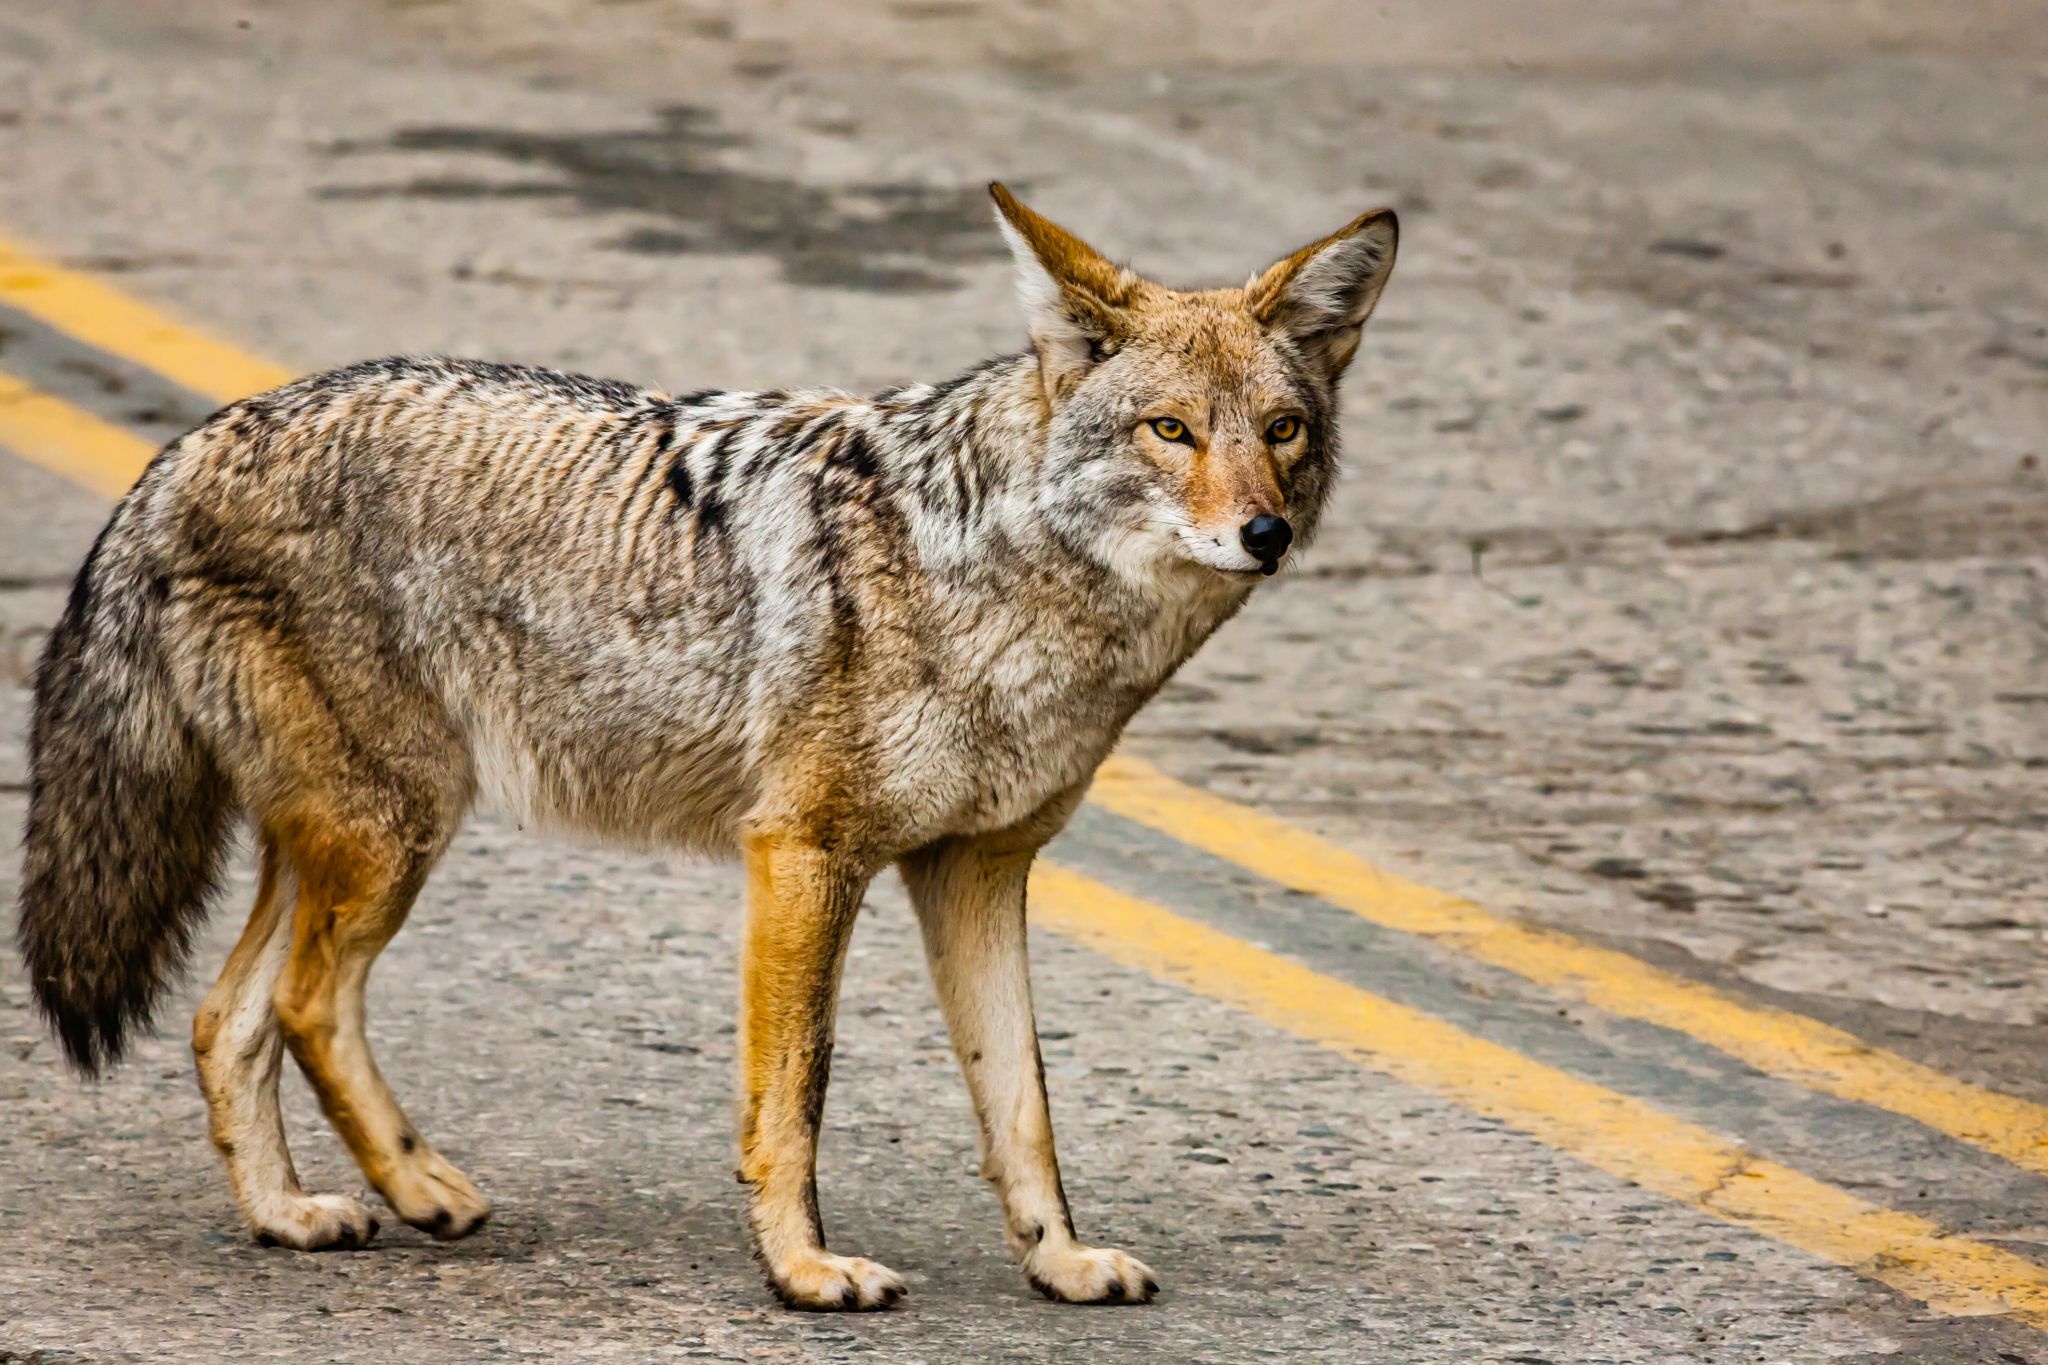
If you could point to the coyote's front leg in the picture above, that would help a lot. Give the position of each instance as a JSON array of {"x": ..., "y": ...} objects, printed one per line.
[
  {"x": 801, "y": 904},
  {"x": 970, "y": 900}
]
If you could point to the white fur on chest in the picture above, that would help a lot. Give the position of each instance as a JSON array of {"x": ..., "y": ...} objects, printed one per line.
[{"x": 1038, "y": 695}]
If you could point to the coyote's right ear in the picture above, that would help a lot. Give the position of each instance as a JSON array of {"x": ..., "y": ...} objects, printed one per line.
[
  {"x": 1073, "y": 296},
  {"x": 1323, "y": 293}
]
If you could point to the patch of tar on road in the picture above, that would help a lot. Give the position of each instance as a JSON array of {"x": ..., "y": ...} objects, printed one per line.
[{"x": 876, "y": 236}]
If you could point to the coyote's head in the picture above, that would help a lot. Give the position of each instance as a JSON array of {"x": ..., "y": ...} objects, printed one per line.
[{"x": 1193, "y": 427}]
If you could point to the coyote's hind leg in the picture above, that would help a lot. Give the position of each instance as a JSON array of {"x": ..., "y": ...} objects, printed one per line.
[
  {"x": 355, "y": 888},
  {"x": 240, "y": 1054}
]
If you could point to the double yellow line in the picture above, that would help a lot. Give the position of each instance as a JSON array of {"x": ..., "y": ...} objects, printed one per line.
[
  {"x": 1617, "y": 1134},
  {"x": 113, "y": 322},
  {"x": 1613, "y": 1132},
  {"x": 68, "y": 440},
  {"x": 1776, "y": 1042}
]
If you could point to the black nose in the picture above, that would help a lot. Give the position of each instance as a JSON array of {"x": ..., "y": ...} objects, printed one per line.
[{"x": 1266, "y": 538}]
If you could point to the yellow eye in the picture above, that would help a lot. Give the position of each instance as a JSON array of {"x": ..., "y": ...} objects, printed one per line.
[
  {"x": 1284, "y": 430},
  {"x": 1170, "y": 428}
]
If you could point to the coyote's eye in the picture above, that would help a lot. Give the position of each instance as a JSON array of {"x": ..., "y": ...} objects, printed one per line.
[
  {"x": 1171, "y": 429},
  {"x": 1284, "y": 430}
]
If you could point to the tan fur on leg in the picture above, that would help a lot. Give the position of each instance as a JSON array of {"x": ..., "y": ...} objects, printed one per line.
[
  {"x": 969, "y": 896},
  {"x": 354, "y": 893},
  {"x": 801, "y": 904},
  {"x": 240, "y": 1054}
]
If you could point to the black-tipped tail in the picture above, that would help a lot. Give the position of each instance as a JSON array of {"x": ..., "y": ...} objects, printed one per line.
[{"x": 128, "y": 815}]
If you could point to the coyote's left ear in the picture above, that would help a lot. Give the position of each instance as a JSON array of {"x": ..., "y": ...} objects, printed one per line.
[
  {"x": 1322, "y": 294},
  {"x": 1074, "y": 298}
]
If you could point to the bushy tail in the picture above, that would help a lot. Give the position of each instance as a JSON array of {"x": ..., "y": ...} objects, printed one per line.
[{"x": 128, "y": 813}]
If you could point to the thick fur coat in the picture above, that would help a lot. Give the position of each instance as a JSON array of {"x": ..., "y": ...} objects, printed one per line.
[{"x": 824, "y": 633}]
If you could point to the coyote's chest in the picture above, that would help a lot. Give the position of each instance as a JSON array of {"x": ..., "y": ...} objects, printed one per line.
[{"x": 1022, "y": 708}]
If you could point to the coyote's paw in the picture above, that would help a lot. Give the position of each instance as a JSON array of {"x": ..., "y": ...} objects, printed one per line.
[
  {"x": 313, "y": 1222},
  {"x": 821, "y": 1282},
  {"x": 1078, "y": 1274},
  {"x": 436, "y": 1198}
]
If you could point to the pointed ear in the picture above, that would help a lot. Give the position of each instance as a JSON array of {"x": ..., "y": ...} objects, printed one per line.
[
  {"x": 1323, "y": 293},
  {"x": 1074, "y": 299}
]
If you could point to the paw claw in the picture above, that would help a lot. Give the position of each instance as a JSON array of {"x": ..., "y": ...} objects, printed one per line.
[
  {"x": 316, "y": 1222},
  {"x": 434, "y": 1197},
  {"x": 1078, "y": 1274},
  {"x": 821, "y": 1282}
]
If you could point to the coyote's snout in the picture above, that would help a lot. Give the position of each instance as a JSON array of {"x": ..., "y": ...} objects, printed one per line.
[{"x": 826, "y": 634}]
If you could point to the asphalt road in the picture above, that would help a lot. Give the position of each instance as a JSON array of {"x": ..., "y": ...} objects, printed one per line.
[{"x": 1625, "y": 942}]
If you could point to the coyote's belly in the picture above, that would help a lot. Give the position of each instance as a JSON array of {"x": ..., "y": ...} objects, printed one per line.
[
  {"x": 642, "y": 755},
  {"x": 678, "y": 730},
  {"x": 678, "y": 738}
]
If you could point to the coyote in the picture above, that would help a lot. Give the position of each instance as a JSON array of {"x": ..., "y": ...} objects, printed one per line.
[{"x": 821, "y": 632}]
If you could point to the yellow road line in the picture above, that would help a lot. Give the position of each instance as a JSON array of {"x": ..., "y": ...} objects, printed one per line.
[
  {"x": 1777, "y": 1042},
  {"x": 1615, "y": 1133},
  {"x": 50, "y": 432},
  {"x": 122, "y": 326}
]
